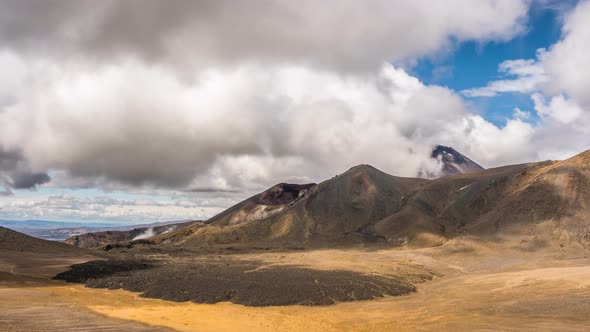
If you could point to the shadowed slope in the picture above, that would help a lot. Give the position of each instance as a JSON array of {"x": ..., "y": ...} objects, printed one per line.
[
  {"x": 545, "y": 203},
  {"x": 25, "y": 255}
]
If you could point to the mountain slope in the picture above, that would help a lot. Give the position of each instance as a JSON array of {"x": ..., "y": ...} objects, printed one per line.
[
  {"x": 337, "y": 211},
  {"x": 14, "y": 241},
  {"x": 535, "y": 204},
  {"x": 21, "y": 254}
]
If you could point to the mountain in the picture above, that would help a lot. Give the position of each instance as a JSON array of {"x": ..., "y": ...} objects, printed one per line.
[
  {"x": 103, "y": 238},
  {"x": 453, "y": 162},
  {"x": 338, "y": 211},
  {"x": 489, "y": 223},
  {"x": 544, "y": 203}
]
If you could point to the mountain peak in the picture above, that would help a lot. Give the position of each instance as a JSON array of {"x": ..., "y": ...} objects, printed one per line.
[
  {"x": 454, "y": 162},
  {"x": 362, "y": 168}
]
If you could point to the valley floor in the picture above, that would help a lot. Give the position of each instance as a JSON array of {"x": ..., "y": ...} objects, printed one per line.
[{"x": 478, "y": 286}]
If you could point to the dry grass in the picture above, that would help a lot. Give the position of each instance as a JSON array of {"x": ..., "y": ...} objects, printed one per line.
[{"x": 481, "y": 287}]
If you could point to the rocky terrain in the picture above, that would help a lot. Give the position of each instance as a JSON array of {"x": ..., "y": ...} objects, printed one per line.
[{"x": 210, "y": 279}]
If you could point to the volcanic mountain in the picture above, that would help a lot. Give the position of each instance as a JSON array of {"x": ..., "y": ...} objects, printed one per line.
[
  {"x": 545, "y": 202},
  {"x": 453, "y": 162},
  {"x": 340, "y": 210}
]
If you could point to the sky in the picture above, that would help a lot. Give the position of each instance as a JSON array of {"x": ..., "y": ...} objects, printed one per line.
[{"x": 142, "y": 111}]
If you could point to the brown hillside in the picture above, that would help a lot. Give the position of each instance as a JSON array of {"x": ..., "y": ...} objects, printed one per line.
[
  {"x": 337, "y": 211},
  {"x": 14, "y": 241},
  {"x": 545, "y": 203}
]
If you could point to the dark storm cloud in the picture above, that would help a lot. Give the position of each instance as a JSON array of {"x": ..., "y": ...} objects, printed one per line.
[
  {"x": 345, "y": 34},
  {"x": 16, "y": 173}
]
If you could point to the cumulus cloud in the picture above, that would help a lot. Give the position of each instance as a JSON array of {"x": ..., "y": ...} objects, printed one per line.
[
  {"x": 523, "y": 76},
  {"x": 216, "y": 99},
  {"x": 557, "y": 79},
  {"x": 559, "y": 109},
  {"x": 344, "y": 35},
  {"x": 227, "y": 95},
  {"x": 73, "y": 208},
  {"x": 566, "y": 61},
  {"x": 237, "y": 128},
  {"x": 564, "y": 128},
  {"x": 561, "y": 70}
]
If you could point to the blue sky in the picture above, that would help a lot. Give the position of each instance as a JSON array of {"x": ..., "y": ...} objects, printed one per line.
[{"x": 473, "y": 64}]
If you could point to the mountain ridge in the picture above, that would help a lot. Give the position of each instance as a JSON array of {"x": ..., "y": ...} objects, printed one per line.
[{"x": 367, "y": 206}]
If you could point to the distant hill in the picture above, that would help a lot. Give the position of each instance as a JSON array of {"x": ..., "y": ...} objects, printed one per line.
[
  {"x": 59, "y": 231},
  {"x": 102, "y": 238},
  {"x": 22, "y": 255},
  {"x": 14, "y": 241}
]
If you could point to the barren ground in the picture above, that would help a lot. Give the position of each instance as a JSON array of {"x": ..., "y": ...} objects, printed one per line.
[{"x": 478, "y": 286}]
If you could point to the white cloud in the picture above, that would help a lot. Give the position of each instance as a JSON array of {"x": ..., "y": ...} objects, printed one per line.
[
  {"x": 70, "y": 207},
  {"x": 559, "y": 109},
  {"x": 560, "y": 70},
  {"x": 564, "y": 104},
  {"x": 529, "y": 75},
  {"x": 521, "y": 115},
  {"x": 557, "y": 80},
  {"x": 566, "y": 62},
  {"x": 235, "y": 129},
  {"x": 490, "y": 145}
]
